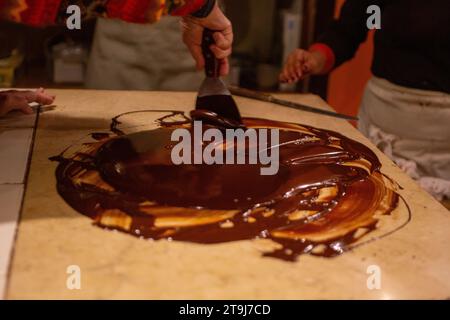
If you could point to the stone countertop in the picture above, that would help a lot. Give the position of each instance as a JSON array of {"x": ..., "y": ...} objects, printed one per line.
[{"x": 414, "y": 261}]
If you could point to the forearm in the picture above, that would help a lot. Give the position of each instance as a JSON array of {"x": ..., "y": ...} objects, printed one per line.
[{"x": 49, "y": 12}]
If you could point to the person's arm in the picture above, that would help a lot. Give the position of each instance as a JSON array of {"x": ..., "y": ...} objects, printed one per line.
[
  {"x": 337, "y": 45},
  {"x": 149, "y": 11},
  {"x": 197, "y": 15},
  {"x": 41, "y": 13}
]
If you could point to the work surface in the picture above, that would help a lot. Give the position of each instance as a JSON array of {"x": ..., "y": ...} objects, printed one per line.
[{"x": 414, "y": 262}]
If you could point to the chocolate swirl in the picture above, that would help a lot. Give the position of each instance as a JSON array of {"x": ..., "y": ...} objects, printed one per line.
[{"x": 327, "y": 197}]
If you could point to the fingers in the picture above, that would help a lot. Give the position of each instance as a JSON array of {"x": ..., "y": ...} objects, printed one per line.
[
  {"x": 224, "y": 67},
  {"x": 288, "y": 74},
  {"x": 222, "y": 49},
  {"x": 192, "y": 38},
  {"x": 41, "y": 91},
  {"x": 20, "y": 100},
  {"x": 296, "y": 67},
  {"x": 38, "y": 96},
  {"x": 220, "y": 53},
  {"x": 224, "y": 38},
  {"x": 196, "y": 52}
]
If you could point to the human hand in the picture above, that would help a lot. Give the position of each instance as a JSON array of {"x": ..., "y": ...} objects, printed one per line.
[
  {"x": 302, "y": 63},
  {"x": 193, "y": 34},
  {"x": 19, "y": 100}
]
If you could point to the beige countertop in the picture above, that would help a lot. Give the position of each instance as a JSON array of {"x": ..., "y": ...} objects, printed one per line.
[{"x": 414, "y": 261}]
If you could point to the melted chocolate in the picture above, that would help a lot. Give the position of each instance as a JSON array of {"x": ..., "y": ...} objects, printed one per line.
[{"x": 328, "y": 187}]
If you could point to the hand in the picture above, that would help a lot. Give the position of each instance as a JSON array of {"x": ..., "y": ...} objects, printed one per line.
[
  {"x": 19, "y": 100},
  {"x": 193, "y": 33},
  {"x": 300, "y": 64}
]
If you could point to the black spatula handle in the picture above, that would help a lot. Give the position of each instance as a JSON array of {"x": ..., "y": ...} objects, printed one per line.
[{"x": 212, "y": 65}]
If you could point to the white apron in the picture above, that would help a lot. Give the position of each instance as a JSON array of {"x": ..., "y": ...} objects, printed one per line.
[
  {"x": 412, "y": 127},
  {"x": 128, "y": 56}
]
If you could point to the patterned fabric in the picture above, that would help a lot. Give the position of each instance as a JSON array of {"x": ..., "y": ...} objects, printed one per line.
[{"x": 46, "y": 12}]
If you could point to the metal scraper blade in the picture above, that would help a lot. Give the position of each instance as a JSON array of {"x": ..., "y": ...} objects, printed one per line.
[{"x": 213, "y": 96}]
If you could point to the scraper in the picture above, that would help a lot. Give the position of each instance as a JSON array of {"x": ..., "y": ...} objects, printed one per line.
[{"x": 214, "y": 99}]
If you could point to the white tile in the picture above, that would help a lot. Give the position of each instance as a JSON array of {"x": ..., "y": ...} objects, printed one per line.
[
  {"x": 15, "y": 145},
  {"x": 10, "y": 199}
]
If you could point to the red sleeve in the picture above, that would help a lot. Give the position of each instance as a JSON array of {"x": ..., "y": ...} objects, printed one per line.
[
  {"x": 144, "y": 11},
  {"x": 330, "y": 58},
  {"x": 48, "y": 12}
]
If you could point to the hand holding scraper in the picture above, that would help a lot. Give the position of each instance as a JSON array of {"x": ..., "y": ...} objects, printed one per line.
[{"x": 214, "y": 100}]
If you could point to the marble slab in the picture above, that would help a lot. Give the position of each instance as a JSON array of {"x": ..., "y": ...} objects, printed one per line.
[{"x": 53, "y": 239}]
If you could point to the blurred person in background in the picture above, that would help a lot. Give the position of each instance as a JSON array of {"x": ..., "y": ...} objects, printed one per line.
[
  {"x": 406, "y": 105},
  {"x": 110, "y": 61}
]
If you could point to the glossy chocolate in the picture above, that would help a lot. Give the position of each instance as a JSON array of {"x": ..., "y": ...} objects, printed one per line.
[{"x": 327, "y": 195}]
